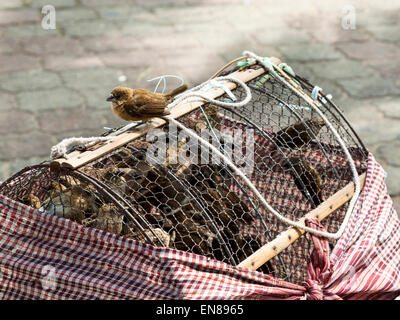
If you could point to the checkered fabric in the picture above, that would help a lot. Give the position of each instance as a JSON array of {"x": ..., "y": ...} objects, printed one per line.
[{"x": 48, "y": 257}]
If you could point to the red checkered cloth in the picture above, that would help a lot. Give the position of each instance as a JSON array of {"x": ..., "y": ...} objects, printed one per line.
[{"x": 48, "y": 257}]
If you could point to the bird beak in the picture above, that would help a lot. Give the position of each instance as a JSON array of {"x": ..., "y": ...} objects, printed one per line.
[{"x": 111, "y": 98}]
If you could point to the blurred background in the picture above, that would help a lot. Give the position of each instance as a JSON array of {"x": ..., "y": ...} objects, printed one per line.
[{"x": 53, "y": 82}]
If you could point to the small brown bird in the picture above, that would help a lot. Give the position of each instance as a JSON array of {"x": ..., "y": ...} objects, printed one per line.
[
  {"x": 298, "y": 135},
  {"x": 140, "y": 104},
  {"x": 109, "y": 219},
  {"x": 307, "y": 179}
]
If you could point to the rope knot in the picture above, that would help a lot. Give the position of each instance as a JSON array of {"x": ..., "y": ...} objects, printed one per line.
[{"x": 313, "y": 290}]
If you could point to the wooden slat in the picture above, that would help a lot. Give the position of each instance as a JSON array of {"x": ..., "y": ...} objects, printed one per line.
[
  {"x": 77, "y": 159},
  {"x": 286, "y": 238}
]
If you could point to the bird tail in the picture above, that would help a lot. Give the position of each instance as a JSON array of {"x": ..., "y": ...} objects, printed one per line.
[{"x": 176, "y": 91}]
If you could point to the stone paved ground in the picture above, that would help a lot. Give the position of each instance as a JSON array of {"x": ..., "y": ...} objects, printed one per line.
[{"x": 53, "y": 83}]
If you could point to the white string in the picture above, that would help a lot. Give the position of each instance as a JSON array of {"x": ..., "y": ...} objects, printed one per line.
[
  {"x": 245, "y": 179},
  {"x": 341, "y": 143},
  {"x": 194, "y": 93},
  {"x": 163, "y": 79}
]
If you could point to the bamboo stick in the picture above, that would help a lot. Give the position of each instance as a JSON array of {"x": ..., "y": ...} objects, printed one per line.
[{"x": 286, "y": 238}]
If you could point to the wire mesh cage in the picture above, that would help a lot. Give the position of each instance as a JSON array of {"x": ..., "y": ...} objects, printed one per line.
[{"x": 188, "y": 198}]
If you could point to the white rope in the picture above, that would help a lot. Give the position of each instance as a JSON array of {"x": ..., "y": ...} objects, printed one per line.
[
  {"x": 341, "y": 143},
  {"x": 196, "y": 92},
  {"x": 245, "y": 179},
  {"x": 61, "y": 149}
]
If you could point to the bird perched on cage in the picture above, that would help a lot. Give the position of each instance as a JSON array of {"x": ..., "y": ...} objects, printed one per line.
[
  {"x": 140, "y": 104},
  {"x": 307, "y": 179},
  {"x": 298, "y": 134}
]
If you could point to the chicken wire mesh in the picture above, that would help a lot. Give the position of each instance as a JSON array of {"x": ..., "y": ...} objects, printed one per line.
[{"x": 185, "y": 197}]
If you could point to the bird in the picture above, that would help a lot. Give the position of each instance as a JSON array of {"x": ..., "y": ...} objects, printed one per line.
[
  {"x": 307, "y": 179},
  {"x": 140, "y": 104},
  {"x": 109, "y": 219},
  {"x": 298, "y": 134}
]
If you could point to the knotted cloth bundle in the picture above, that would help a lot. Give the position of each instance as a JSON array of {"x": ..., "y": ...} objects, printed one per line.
[{"x": 87, "y": 263}]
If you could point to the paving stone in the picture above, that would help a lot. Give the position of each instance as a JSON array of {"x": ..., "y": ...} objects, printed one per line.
[
  {"x": 282, "y": 37},
  {"x": 364, "y": 113},
  {"x": 19, "y": 16},
  {"x": 308, "y": 52},
  {"x": 378, "y": 16},
  {"x": 377, "y": 131},
  {"x": 30, "y": 31},
  {"x": 17, "y": 62},
  {"x": 103, "y": 3},
  {"x": 391, "y": 70},
  {"x": 96, "y": 98},
  {"x": 90, "y": 28},
  {"x": 4, "y": 170},
  {"x": 65, "y": 62},
  {"x": 52, "y": 45},
  {"x": 18, "y": 164},
  {"x": 218, "y": 42},
  {"x": 25, "y": 145},
  {"x": 387, "y": 33},
  {"x": 74, "y": 14},
  {"x": 390, "y": 152},
  {"x": 17, "y": 122},
  {"x": 75, "y": 119},
  {"x": 108, "y": 44},
  {"x": 392, "y": 179},
  {"x": 29, "y": 80},
  {"x": 338, "y": 34},
  {"x": 135, "y": 58},
  {"x": 181, "y": 58},
  {"x": 390, "y": 107},
  {"x": 111, "y": 120},
  {"x": 369, "y": 87},
  {"x": 7, "y": 46},
  {"x": 176, "y": 40},
  {"x": 91, "y": 78},
  {"x": 7, "y": 102},
  {"x": 369, "y": 50},
  {"x": 218, "y": 27},
  {"x": 11, "y": 4},
  {"x": 143, "y": 30},
  {"x": 156, "y": 4},
  {"x": 55, "y": 3},
  {"x": 48, "y": 99},
  {"x": 189, "y": 15},
  {"x": 233, "y": 52},
  {"x": 396, "y": 204},
  {"x": 120, "y": 12},
  {"x": 143, "y": 39},
  {"x": 352, "y": 105},
  {"x": 340, "y": 69}
]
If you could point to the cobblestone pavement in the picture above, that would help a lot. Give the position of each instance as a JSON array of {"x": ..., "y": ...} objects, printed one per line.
[{"x": 53, "y": 83}]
